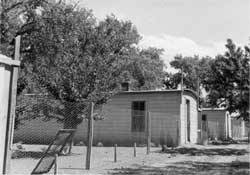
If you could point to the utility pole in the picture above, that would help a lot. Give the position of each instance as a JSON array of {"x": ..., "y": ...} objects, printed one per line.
[
  {"x": 182, "y": 83},
  {"x": 198, "y": 87}
]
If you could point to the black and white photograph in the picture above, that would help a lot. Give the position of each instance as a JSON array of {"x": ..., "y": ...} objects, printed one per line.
[{"x": 125, "y": 87}]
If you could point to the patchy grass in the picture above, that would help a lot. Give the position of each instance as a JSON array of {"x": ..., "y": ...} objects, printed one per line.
[{"x": 191, "y": 159}]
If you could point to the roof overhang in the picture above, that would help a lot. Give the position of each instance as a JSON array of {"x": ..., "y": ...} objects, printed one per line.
[{"x": 158, "y": 91}]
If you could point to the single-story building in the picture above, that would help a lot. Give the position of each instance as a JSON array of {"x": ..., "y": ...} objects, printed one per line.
[
  {"x": 173, "y": 113},
  {"x": 217, "y": 121}
]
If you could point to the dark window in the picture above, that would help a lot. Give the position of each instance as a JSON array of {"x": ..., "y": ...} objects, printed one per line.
[
  {"x": 204, "y": 117},
  {"x": 138, "y": 116}
]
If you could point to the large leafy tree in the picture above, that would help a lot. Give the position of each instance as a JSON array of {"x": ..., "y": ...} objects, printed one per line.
[
  {"x": 71, "y": 56},
  {"x": 228, "y": 81}
]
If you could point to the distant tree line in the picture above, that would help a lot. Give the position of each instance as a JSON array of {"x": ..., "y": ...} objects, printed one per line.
[{"x": 224, "y": 79}]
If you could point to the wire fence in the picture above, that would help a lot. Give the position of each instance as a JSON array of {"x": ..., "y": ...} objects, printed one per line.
[{"x": 40, "y": 116}]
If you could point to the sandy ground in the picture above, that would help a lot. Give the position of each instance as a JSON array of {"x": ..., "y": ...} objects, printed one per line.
[{"x": 191, "y": 159}]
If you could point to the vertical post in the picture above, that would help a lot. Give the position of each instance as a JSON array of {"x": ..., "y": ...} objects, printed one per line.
[
  {"x": 148, "y": 132},
  {"x": 182, "y": 83},
  {"x": 217, "y": 130},
  {"x": 249, "y": 96},
  {"x": 56, "y": 165},
  {"x": 134, "y": 149},
  {"x": 115, "y": 153},
  {"x": 11, "y": 110},
  {"x": 248, "y": 136},
  {"x": 177, "y": 132},
  {"x": 71, "y": 144},
  {"x": 198, "y": 88},
  {"x": 201, "y": 133},
  {"x": 90, "y": 135}
]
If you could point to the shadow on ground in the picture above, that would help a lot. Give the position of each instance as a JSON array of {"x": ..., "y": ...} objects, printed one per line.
[
  {"x": 187, "y": 167},
  {"x": 205, "y": 151},
  {"x": 26, "y": 154}
]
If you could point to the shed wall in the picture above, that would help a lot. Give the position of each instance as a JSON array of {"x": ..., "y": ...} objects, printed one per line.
[
  {"x": 116, "y": 126},
  {"x": 217, "y": 124}
]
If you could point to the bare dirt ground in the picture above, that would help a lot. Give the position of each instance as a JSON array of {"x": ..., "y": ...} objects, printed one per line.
[{"x": 192, "y": 159}]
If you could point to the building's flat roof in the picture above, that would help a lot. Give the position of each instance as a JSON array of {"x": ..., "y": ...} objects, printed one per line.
[
  {"x": 213, "y": 109},
  {"x": 6, "y": 60},
  {"x": 158, "y": 91}
]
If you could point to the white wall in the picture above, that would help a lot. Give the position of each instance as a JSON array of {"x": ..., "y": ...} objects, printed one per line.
[
  {"x": 193, "y": 120},
  {"x": 4, "y": 97}
]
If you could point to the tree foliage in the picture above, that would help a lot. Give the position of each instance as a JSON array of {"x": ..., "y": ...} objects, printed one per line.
[
  {"x": 193, "y": 70},
  {"x": 76, "y": 58},
  {"x": 228, "y": 81},
  {"x": 225, "y": 78}
]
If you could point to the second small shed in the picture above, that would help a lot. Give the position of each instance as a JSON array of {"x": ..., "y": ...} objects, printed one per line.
[{"x": 218, "y": 123}]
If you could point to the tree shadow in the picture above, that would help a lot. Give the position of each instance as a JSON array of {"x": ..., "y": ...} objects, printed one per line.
[
  {"x": 205, "y": 151},
  {"x": 26, "y": 154},
  {"x": 187, "y": 167}
]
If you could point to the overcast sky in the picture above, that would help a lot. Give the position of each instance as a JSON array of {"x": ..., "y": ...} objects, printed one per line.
[{"x": 185, "y": 27}]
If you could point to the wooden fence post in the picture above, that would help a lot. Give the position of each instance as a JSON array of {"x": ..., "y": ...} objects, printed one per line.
[
  {"x": 135, "y": 149},
  {"x": 90, "y": 135},
  {"x": 148, "y": 132},
  {"x": 115, "y": 153},
  {"x": 11, "y": 109},
  {"x": 56, "y": 165},
  {"x": 178, "y": 135},
  {"x": 217, "y": 130},
  {"x": 248, "y": 136}
]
